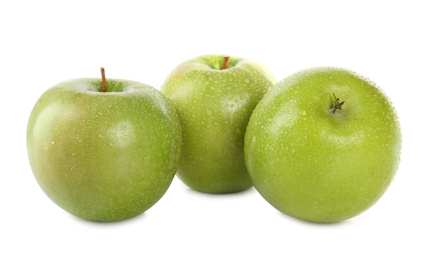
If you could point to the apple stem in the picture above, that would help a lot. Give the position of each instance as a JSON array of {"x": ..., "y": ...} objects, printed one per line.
[
  {"x": 337, "y": 104},
  {"x": 102, "y": 70},
  {"x": 225, "y": 62}
]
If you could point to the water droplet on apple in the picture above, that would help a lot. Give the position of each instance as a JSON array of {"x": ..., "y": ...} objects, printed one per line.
[{"x": 52, "y": 142}]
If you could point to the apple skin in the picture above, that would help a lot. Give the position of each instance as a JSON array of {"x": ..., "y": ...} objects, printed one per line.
[
  {"x": 214, "y": 106},
  {"x": 103, "y": 156},
  {"x": 315, "y": 165}
]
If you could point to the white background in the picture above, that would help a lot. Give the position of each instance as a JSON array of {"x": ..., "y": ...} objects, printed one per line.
[{"x": 45, "y": 42}]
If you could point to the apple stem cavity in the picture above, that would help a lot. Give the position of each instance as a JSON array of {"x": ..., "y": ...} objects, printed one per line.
[
  {"x": 225, "y": 62},
  {"x": 105, "y": 88},
  {"x": 336, "y": 105}
]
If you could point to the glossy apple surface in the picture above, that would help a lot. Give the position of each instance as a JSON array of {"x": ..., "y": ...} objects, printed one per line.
[
  {"x": 316, "y": 163},
  {"x": 103, "y": 156},
  {"x": 214, "y": 106}
]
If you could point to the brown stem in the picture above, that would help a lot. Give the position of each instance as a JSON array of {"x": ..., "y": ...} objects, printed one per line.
[
  {"x": 225, "y": 62},
  {"x": 102, "y": 70}
]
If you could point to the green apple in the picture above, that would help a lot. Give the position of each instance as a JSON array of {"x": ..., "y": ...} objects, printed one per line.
[
  {"x": 214, "y": 96},
  {"x": 323, "y": 145},
  {"x": 104, "y": 156}
]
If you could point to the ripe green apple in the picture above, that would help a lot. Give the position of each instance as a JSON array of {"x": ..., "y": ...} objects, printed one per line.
[
  {"x": 104, "y": 156},
  {"x": 214, "y": 96},
  {"x": 323, "y": 145}
]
